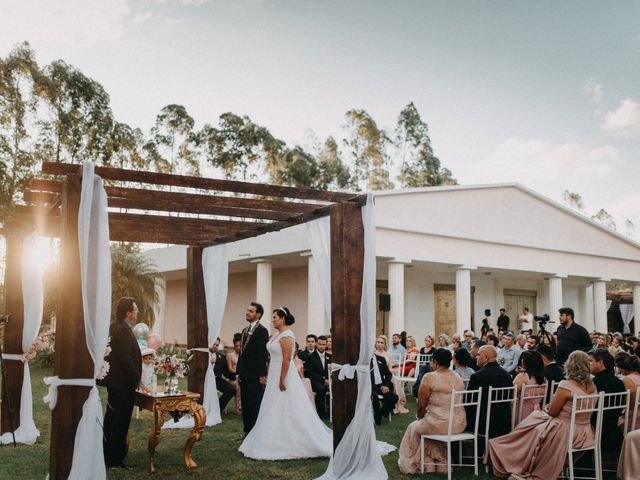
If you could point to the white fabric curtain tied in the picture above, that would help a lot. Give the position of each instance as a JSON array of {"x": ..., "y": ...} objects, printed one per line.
[
  {"x": 54, "y": 382},
  {"x": 198, "y": 349},
  {"x": 13, "y": 356},
  {"x": 348, "y": 370}
]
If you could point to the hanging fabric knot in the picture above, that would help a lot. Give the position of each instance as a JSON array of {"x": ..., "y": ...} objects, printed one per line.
[
  {"x": 13, "y": 356},
  {"x": 347, "y": 370},
  {"x": 198, "y": 349},
  {"x": 54, "y": 382}
]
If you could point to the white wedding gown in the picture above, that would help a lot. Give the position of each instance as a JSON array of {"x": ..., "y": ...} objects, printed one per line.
[{"x": 288, "y": 425}]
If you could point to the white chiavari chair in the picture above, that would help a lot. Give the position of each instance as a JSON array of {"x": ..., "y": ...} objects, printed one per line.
[
  {"x": 615, "y": 401},
  {"x": 498, "y": 396},
  {"x": 636, "y": 411},
  {"x": 529, "y": 393},
  {"x": 459, "y": 399},
  {"x": 583, "y": 404}
]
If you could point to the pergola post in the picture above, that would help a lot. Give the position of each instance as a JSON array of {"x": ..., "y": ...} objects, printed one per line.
[
  {"x": 72, "y": 358},
  {"x": 12, "y": 338},
  {"x": 347, "y": 265},
  {"x": 197, "y": 326}
]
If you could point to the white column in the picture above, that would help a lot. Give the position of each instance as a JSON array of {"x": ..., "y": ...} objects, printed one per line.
[
  {"x": 600, "y": 305},
  {"x": 159, "y": 308},
  {"x": 263, "y": 289},
  {"x": 555, "y": 297},
  {"x": 585, "y": 298},
  {"x": 396, "y": 292},
  {"x": 315, "y": 304},
  {"x": 636, "y": 307},
  {"x": 463, "y": 299}
]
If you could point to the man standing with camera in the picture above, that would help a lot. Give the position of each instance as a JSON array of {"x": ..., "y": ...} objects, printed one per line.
[{"x": 571, "y": 336}]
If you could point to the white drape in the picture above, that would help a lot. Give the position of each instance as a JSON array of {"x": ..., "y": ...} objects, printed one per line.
[
  {"x": 32, "y": 297},
  {"x": 626, "y": 311},
  {"x": 95, "y": 270},
  {"x": 215, "y": 270},
  {"x": 357, "y": 456},
  {"x": 320, "y": 239}
]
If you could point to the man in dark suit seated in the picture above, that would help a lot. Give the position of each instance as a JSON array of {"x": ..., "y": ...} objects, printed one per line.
[
  {"x": 490, "y": 375},
  {"x": 383, "y": 389},
  {"x": 552, "y": 371},
  {"x": 318, "y": 374},
  {"x": 604, "y": 378},
  {"x": 222, "y": 373}
]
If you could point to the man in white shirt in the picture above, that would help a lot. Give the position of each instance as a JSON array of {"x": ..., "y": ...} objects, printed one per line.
[
  {"x": 508, "y": 356},
  {"x": 396, "y": 350},
  {"x": 526, "y": 320}
]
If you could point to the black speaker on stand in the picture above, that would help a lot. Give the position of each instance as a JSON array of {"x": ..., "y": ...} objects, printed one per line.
[{"x": 384, "y": 305}]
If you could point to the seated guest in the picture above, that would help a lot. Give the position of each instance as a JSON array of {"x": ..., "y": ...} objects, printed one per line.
[
  {"x": 468, "y": 339},
  {"x": 492, "y": 340},
  {"x": 443, "y": 340},
  {"x": 634, "y": 345},
  {"x": 316, "y": 370},
  {"x": 508, "y": 355},
  {"x": 219, "y": 363},
  {"x": 537, "y": 447},
  {"x": 428, "y": 348},
  {"x": 456, "y": 343},
  {"x": 532, "y": 342},
  {"x": 490, "y": 375},
  {"x": 305, "y": 381},
  {"x": 552, "y": 371},
  {"x": 310, "y": 347},
  {"x": 521, "y": 342},
  {"x": 396, "y": 350},
  {"x": 616, "y": 345},
  {"x": 434, "y": 400},
  {"x": 477, "y": 344},
  {"x": 232, "y": 365},
  {"x": 604, "y": 378},
  {"x": 410, "y": 357},
  {"x": 461, "y": 366},
  {"x": 329, "y": 344},
  {"x": 629, "y": 366},
  {"x": 383, "y": 389},
  {"x": 531, "y": 373}
]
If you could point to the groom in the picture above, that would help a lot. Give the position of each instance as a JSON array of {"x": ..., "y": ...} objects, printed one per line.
[{"x": 252, "y": 365}]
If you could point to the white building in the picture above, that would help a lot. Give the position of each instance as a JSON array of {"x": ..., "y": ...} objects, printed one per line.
[{"x": 444, "y": 254}]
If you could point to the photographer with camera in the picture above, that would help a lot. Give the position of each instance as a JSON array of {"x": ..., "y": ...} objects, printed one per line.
[{"x": 571, "y": 336}]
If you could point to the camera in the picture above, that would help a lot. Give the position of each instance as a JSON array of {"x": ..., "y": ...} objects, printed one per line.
[{"x": 542, "y": 319}]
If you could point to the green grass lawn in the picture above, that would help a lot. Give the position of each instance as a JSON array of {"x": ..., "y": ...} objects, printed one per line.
[{"x": 216, "y": 454}]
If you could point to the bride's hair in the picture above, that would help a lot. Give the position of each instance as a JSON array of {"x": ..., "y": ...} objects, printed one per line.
[{"x": 285, "y": 313}]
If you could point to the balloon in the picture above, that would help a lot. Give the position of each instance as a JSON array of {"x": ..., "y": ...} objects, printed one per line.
[
  {"x": 141, "y": 330},
  {"x": 142, "y": 343},
  {"x": 153, "y": 340}
]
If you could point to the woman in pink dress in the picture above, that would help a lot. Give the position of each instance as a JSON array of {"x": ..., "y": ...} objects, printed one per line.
[
  {"x": 629, "y": 366},
  {"x": 232, "y": 364},
  {"x": 531, "y": 373},
  {"x": 537, "y": 448},
  {"x": 299, "y": 364},
  {"x": 434, "y": 402}
]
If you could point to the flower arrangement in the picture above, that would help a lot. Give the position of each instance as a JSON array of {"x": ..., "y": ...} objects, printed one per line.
[
  {"x": 171, "y": 365},
  {"x": 43, "y": 343},
  {"x": 104, "y": 370}
]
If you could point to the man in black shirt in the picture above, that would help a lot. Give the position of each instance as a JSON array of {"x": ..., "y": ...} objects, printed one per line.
[
  {"x": 571, "y": 336},
  {"x": 503, "y": 321},
  {"x": 552, "y": 371}
]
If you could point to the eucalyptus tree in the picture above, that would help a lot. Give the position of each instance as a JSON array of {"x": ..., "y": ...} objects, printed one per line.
[
  {"x": 23, "y": 89},
  {"x": 125, "y": 148},
  {"x": 297, "y": 168},
  {"x": 419, "y": 166},
  {"x": 334, "y": 174},
  {"x": 81, "y": 118},
  {"x": 173, "y": 131},
  {"x": 368, "y": 146}
]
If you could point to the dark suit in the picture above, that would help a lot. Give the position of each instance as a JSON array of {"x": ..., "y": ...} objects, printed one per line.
[
  {"x": 503, "y": 323},
  {"x": 553, "y": 372},
  {"x": 125, "y": 369},
  {"x": 222, "y": 373},
  {"x": 607, "y": 382},
  {"x": 252, "y": 364},
  {"x": 389, "y": 399},
  {"x": 318, "y": 374},
  {"x": 491, "y": 375}
]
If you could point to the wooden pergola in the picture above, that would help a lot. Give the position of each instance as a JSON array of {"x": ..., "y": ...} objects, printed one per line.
[{"x": 174, "y": 209}]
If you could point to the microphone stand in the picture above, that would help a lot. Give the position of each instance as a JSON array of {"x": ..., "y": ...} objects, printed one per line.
[{"x": 4, "y": 385}]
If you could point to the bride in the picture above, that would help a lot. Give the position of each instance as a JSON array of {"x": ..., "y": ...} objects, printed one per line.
[{"x": 285, "y": 410}]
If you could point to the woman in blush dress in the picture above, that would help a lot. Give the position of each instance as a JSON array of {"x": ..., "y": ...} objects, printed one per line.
[
  {"x": 305, "y": 381},
  {"x": 531, "y": 373},
  {"x": 434, "y": 402},
  {"x": 232, "y": 365},
  {"x": 537, "y": 448},
  {"x": 629, "y": 366}
]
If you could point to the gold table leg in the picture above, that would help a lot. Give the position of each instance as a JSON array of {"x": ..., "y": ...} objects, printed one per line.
[
  {"x": 199, "y": 420},
  {"x": 154, "y": 438}
]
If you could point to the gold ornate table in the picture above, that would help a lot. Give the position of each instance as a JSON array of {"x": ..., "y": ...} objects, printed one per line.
[{"x": 160, "y": 405}]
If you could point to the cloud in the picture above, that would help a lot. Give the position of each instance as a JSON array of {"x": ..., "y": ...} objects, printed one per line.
[
  {"x": 625, "y": 120},
  {"x": 196, "y": 3},
  {"x": 592, "y": 88},
  {"x": 79, "y": 24},
  {"x": 141, "y": 17},
  {"x": 535, "y": 162}
]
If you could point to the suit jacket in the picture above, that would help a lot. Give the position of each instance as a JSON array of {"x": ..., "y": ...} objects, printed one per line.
[
  {"x": 491, "y": 375},
  {"x": 313, "y": 368},
  {"x": 220, "y": 368},
  {"x": 125, "y": 359},
  {"x": 253, "y": 358},
  {"x": 553, "y": 372},
  {"x": 611, "y": 436},
  {"x": 385, "y": 374}
]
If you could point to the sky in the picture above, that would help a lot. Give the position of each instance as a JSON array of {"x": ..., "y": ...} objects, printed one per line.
[{"x": 542, "y": 93}]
